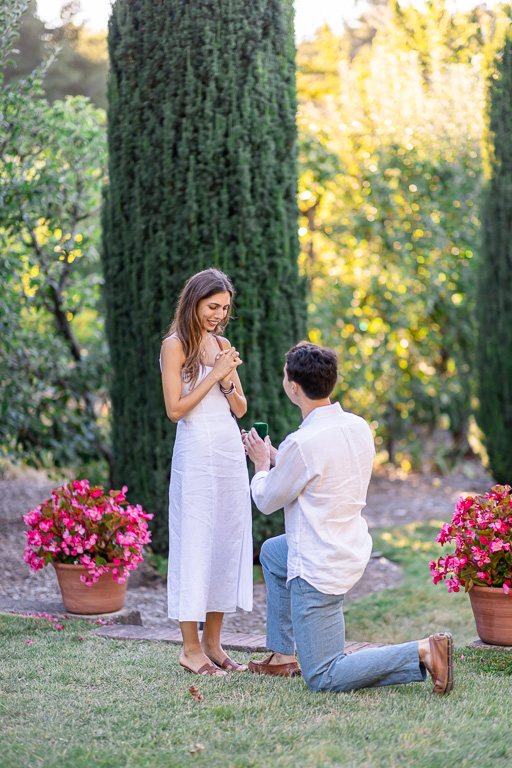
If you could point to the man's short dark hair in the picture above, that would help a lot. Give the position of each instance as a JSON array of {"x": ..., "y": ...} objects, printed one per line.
[{"x": 313, "y": 368}]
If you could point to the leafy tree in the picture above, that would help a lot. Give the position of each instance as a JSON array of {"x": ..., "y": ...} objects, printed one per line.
[
  {"x": 494, "y": 301},
  {"x": 440, "y": 36},
  {"x": 389, "y": 188},
  {"x": 53, "y": 364},
  {"x": 80, "y": 69},
  {"x": 202, "y": 144}
]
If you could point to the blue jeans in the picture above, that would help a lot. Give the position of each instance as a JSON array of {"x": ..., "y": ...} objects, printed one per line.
[{"x": 313, "y": 621}]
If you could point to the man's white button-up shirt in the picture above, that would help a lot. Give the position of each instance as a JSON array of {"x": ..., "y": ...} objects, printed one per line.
[{"x": 321, "y": 478}]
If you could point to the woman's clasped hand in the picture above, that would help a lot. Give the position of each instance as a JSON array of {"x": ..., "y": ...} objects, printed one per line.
[{"x": 225, "y": 363}]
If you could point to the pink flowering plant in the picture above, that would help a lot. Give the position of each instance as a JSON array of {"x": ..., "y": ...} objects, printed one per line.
[
  {"x": 481, "y": 530},
  {"x": 87, "y": 526}
]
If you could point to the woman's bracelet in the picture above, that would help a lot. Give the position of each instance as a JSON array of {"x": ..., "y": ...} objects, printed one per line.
[{"x": 227, "y": 391}]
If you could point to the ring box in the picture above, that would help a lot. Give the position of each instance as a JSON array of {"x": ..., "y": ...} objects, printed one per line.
[{"x": 261, "y": 428}]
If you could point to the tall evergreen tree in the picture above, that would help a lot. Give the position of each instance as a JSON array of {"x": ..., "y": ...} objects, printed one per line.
[
  {"x": 202, "y": 142},
  {"x": 494, "y": 299}
]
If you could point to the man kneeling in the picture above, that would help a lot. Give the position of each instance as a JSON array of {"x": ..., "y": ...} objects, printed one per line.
[{"x": 320, "y": 476}]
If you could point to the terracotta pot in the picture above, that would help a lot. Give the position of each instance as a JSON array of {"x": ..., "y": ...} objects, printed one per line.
[
  {"x": 104, "y": 596},
  {"x": 492, "y": 610}
]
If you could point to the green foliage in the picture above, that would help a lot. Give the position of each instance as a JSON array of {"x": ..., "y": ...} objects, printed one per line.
[
  {"x": 202, "y": 144},
  {"x": 53, "y": 365},
  {"x": 389, "y": 188},
  {"x": 494, "y": 301},
  {"x": 441, "y": 35},
  {"x": 79, "y": 69}
]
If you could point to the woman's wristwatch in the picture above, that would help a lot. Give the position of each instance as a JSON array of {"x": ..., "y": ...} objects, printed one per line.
[{"x": 227, "y": 391}]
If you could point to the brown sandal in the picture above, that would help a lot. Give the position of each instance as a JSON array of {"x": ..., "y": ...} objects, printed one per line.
[
  {"x": 206, "y": 669},
  {"x": 232, "y": 666}
]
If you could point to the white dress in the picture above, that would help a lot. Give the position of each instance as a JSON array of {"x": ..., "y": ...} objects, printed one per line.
[{"x": 210, "y": 522}]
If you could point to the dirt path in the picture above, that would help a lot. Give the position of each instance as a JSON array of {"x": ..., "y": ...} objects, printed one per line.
[{"x": 393, "y": 499}]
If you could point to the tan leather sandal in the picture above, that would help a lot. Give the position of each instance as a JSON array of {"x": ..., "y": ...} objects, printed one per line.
[
  {"x": 206, "y": 669},
  {"x": 232, "y": 666}
]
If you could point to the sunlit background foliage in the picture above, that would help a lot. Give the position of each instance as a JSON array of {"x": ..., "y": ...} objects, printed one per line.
[{"x": 391, "y": 132}]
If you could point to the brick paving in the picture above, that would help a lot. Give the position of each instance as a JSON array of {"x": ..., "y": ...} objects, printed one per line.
[{"x": 234, "y": 641}]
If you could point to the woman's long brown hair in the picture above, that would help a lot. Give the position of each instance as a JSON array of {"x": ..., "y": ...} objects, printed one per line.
[{"x": 186, "y": 324}]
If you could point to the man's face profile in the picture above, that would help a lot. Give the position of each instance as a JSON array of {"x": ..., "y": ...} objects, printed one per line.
[{"x": 287, "y": 385}]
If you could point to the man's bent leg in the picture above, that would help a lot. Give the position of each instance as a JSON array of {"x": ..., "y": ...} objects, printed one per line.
[
  {"x": 320, "y": 637},
  {"x": 273, "y": 556}
]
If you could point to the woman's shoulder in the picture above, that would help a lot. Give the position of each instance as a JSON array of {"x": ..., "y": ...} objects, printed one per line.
[{"x": 172, "y": 344}]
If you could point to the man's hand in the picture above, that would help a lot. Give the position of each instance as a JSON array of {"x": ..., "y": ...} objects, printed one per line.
[{"x": 257, "y": 450}]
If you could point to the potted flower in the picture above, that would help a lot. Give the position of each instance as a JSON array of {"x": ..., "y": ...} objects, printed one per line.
[
  {"x": 481, "y": 530},
  {"x": 93, "y": 538}
]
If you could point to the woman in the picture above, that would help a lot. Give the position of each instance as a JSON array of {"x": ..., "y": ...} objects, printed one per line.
[{"x": 210, "y": 540}]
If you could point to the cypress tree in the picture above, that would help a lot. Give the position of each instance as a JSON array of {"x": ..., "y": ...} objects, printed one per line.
[
  {"x": 494, "y": 300},
  {"x": 202, "y": 143}
]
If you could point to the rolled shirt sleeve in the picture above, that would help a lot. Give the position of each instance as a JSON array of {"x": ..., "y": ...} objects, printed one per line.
[{"x": 283, "y": 483}]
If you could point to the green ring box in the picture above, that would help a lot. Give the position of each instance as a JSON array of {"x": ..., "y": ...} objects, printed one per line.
[{"x": 261, "y": 428}]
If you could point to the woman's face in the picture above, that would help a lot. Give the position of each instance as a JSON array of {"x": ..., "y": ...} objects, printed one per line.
[{"x": 213, "y": 310}]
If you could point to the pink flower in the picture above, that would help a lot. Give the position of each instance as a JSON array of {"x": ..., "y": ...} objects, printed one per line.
[
  {"x": 33, "y": 517},
  {"x": 445, "y": 535},
  {"x": 34, "y": 538},
  {"x": 500, "y": 526},
  {"x": 453, "y": 585},
  {"x": 30, "y": 642},
  {"x": 81, "y": 487},
  {"x": 121, "y": 496}
]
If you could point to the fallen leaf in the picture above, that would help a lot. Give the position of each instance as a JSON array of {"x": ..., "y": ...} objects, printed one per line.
[
  {"x": 196, "y": 747},
  {"x": 195, "y": 693}
]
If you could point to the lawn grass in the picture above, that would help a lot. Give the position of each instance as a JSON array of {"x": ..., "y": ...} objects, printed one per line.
[
  {"x": 71, "y": 703},
  {"x": 416, "y": 608}
]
